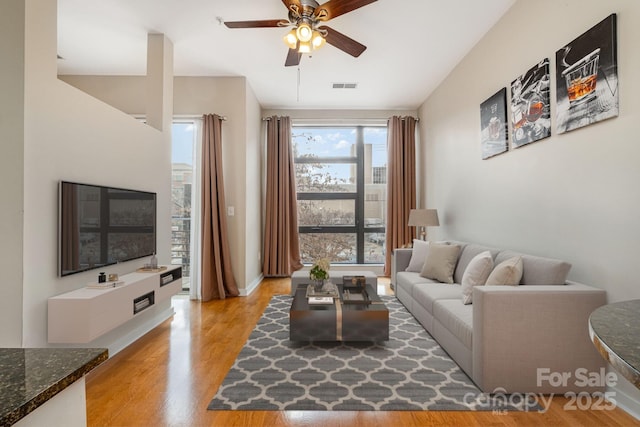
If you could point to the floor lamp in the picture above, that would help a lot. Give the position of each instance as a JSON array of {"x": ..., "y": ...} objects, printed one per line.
[{"x": 423, "y": 218}]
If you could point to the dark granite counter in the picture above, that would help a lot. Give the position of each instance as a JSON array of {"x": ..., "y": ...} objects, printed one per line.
[
  {"x": 615, "y": 331},
  {"x": 29, "y": 377}
]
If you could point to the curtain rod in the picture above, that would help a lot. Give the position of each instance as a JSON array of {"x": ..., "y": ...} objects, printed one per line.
[{"x": 266, "y": 119}]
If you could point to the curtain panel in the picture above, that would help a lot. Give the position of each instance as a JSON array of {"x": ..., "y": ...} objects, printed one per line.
[
  {"x": 217, "y": 280},
  {"x": 401, "y": 184},
  {"x": 281, "y": 245}
]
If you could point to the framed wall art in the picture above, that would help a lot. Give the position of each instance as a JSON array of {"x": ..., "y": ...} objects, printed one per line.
[
  {"x": 587, "y": 78},
  {"x": 530, "y": 109},
  {"x": 493, "y": 125}
]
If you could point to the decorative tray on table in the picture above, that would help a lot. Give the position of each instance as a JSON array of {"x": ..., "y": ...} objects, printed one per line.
[
  {"x": 354, "y": 290},
  {"x": 327, "y": 291}
]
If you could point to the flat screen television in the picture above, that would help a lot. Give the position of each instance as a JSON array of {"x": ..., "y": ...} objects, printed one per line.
[{"x": 100, "y": 226}]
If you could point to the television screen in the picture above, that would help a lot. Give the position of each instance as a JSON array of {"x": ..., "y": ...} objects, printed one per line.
[{"x": 101, "y": 225}]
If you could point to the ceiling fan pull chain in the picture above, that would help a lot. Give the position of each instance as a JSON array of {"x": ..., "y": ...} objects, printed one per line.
[{"x": 298, "y": 88}]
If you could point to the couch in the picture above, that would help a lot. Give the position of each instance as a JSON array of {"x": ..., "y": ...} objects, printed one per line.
[{"x": 531, "y": 337}]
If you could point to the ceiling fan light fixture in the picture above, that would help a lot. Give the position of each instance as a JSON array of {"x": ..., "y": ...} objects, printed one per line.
[
  {"x": 304, "y": 32},
  {"x": 317, "y": 41},
  {"x": 305, "y": 47},
  {"x": 291, "y": 40}
]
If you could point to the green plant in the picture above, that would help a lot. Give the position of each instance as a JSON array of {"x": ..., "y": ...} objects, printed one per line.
[{"x": 320, "y": 270}]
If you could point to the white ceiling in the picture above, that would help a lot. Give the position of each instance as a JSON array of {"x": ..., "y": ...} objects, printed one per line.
[{"x": 411, "y": 46}]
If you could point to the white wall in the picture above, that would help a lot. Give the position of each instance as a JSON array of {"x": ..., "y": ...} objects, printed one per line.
[
  {"x": 572, "y": 196},
  {"x": 12, "y": 30},
  {"x": 70, "y": 135},
  {"x": 233, "y": 98},
  {"x": 253, "y": 220}
]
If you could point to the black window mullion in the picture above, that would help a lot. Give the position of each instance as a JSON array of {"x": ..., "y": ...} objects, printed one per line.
[{"x": 360, "y": 195}]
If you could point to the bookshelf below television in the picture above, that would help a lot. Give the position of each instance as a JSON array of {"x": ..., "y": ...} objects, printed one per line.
[{"x": 83, "y": 315}]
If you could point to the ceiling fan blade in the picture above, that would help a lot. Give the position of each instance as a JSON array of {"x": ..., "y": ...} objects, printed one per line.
[
  {"x": 289, "y": 3},
  {"x": 334, "y": 8},
  {"x": 293, "y": 58},
  {"x": 257, "y": 24},
  {"x": 343, "y": 42}
]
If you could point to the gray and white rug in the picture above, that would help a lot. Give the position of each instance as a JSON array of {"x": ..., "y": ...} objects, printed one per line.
[{"x": 408, "y": 372}]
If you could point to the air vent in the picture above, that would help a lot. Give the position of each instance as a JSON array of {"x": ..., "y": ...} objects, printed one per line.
[{"x": 345, "y": 85}]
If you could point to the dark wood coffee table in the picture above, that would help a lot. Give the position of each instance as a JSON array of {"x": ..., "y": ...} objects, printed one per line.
[{"x": 338, "y": 321}]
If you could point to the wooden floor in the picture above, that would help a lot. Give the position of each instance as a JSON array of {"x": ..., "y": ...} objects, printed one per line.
[{"x": 168, "y": 377}]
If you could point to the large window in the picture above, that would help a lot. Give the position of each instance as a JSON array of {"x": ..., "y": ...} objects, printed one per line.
[{"x": 341, "y": 185}]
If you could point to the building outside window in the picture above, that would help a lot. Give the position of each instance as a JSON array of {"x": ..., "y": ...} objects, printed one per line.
[{"x": 341, "y": 190}]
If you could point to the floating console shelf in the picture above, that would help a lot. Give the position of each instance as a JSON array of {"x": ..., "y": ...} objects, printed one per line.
[{"x": 85, "y": 314}]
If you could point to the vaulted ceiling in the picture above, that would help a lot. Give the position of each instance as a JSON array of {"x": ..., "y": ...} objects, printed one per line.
[{"x": 411, "y": 46}]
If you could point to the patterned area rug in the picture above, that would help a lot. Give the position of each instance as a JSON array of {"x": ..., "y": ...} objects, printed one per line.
[{"x": 408, "y": 372}]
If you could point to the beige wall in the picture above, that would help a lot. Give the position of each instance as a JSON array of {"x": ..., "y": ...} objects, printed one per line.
[
  {"x": 12, "y": 30},
  {"x": 233, "y": 98},
  {"x": 67, "y": 135},
  {"x": 572, "y": 196}
]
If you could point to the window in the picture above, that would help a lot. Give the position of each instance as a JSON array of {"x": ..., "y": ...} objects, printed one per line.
[
  {"x": 182, "y": 147},
  {"x": 341, "y": 188}
]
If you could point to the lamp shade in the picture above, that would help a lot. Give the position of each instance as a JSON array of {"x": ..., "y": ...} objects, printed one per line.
[{"x": 423, "y": 217}]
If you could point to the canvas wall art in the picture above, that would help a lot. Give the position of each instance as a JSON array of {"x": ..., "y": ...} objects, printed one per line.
[
  {"x": 587, "y": 78},
  {"x": 530, "y": 109},
  {"x": 493, "y": 124}
]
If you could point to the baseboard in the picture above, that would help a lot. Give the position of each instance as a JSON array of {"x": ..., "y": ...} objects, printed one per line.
[
  {"x": 625, "y": 400},
  {"x": 252, "y": 286}
]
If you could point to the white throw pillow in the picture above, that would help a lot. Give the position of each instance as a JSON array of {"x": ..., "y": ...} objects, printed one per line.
[
  {"x": 508, "y": 272},
  {"x": 440, "y": 262},
  {"x": 418, "y": 255},
  {"x": 476, "y": 274}
]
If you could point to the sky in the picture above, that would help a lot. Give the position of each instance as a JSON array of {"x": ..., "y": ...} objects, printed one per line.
[
  {"x": 326, "y": 142},
  {"x": 338, "y": 142},
  {"x": 182, "y": 143}
]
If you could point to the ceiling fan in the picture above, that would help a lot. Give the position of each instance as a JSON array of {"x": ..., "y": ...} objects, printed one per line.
[{"x": 307, "y": 18}]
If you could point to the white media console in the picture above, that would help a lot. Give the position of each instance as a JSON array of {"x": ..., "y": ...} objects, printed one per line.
[{"x": 83, "y": 315}]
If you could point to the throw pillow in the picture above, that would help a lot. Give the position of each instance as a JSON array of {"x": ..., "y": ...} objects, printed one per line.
[
  {"x": 508, "y": 272},
  {"x": 418, "y": 255},
  {"x": 476, "y": 274},
  {"x": 440, "y": 262}
]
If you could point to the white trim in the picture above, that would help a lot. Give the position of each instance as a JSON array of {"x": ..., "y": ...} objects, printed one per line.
[
  {"x": 252, "y": 286},
  {"x": 626, "y": 402}
]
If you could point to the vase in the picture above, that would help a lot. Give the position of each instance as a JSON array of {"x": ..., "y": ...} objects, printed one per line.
[{"x": 317, "y": 285}]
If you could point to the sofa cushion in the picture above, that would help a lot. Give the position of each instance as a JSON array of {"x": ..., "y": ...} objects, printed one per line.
[
  {"x": 426, "y": 294},
  {"x": 418, "y": 255},
  {"x": 467, "y": 253},
  {"x": 538, "y": 270},
  {"x": 456, "y": 317},
  {"x": 508, "y": 272},
  {"x": 408, "y": 279},
  {"x": 440, "y": 262},
  {"x": 476, "y": 274}
]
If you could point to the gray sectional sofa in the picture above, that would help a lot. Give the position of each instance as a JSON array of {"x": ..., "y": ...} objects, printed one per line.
[{"x": 510, "y": 338}]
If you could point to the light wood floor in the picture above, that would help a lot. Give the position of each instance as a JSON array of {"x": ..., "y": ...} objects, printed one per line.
[{"x": 168, "y": 377}]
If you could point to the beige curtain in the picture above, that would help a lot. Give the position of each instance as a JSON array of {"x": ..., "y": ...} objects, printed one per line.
[
  {"x": 281, "y": 246},
  {"x": 217, "y": 275},
  {"x": 401, "y": 184}
]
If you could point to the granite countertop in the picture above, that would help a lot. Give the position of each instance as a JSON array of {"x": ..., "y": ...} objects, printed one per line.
[
  {"x": 615, "y": 331},
  {"x": 29, "y": 377}
]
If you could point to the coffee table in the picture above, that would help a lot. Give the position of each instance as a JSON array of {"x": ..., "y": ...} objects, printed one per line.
[{"x": 338, "y": 321}]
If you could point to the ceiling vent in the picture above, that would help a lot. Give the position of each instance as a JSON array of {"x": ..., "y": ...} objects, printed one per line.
[{"x": 345, "y": 85}]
